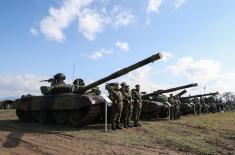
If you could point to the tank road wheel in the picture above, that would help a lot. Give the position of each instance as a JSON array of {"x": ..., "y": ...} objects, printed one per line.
[
  {"x": 75, "y": 117},
  {"x": 60, "y": 117},
  {"x": 24, "y": 116}
]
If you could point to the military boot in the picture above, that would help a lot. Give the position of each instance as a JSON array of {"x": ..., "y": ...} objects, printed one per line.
[
  {"x": 125, "y": 125},
  {"x": 113, "y": 126},
  {"x": 118, "y": 126},
  {"x": 135, "y": 124},
  {"x": 129, "y": 126}
]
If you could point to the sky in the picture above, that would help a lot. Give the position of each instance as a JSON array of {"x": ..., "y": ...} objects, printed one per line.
[{"x": 90, "y": 39}]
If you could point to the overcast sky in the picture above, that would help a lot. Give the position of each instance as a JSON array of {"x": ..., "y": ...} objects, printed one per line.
[{"x": 97, "y": 37}]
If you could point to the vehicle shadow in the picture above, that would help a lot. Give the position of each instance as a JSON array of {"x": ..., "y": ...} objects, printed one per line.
[{"x": 16, "y": 130}]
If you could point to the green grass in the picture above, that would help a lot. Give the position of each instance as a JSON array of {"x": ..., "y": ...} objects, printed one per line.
[{"x": 206, "y": 134}]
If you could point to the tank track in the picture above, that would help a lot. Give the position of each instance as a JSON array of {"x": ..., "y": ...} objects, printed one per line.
[
  {"x": 92, "y": 115},
  {"x": 89, "y": 116}
]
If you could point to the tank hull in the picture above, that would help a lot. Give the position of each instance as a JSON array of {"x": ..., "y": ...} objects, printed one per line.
[{"x": 73, "y": 109}]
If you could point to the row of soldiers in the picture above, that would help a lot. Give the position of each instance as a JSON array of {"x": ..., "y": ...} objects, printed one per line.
[
  {"x": 175, "y": 107},
  {"x": 126, "y": 103}
]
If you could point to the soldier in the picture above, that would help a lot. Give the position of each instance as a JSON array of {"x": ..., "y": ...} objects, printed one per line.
[
  {"x": 59, "y": 80},
  {"x": 95, "y": 90},
  {"x": 123, "y": 85},
  {"x": 198, "y": 106},
  {"x": 79, "y": 82},
  {"x": 137, "y": 105},
  {"x": 127, "y": 107},
  {"x": 203, "y": 105},
  {"x": 177, "y": 107},
  {"x": 117, "y": 99},
  {"x": 172, "y": 108}
]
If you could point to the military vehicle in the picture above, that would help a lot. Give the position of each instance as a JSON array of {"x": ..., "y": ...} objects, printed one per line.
[
  {"x": 6, "y": 104},
  {"x": 156, "y": 105},
  {"x": 62, "y": 103},
  {"x": 193, "y": 108}
]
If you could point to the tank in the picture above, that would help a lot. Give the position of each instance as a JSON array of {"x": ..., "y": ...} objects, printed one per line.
[
  {"x": 72, "y": 104},
  {"x": 156, "y": 105},
  {"x": 6, "y": 104},
  {"x": 190, "y": 107}
]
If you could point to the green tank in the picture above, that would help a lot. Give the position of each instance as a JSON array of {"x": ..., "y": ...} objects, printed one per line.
[
  {"x": 75, "y": 104},
  {"x": 156, "y": 105},
  {"x": 190, "y": 107}
]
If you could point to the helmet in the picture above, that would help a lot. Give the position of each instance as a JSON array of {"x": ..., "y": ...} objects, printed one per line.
[
  {"x": 59, "y": 76},
  {"x": 79, "y": 82},
  {"x": 123, "y": 84}
]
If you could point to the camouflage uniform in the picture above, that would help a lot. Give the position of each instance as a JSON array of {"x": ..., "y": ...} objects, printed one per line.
[
  {"x": 198, "y": 106},
  {"x": 127, "y": 107},
  {"x": 177, "y": 107},
  {"x": 172, "y": 109},
  {"x": 59, "y": 80},
  {"x": 117, "y": 99},
  {"x": 137, "y": 105},
  {"x": 203, "y": 105},
  {"x": 95, "y": 90}
]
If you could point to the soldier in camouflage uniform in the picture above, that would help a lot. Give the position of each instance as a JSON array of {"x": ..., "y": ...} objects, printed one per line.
[
  {"x": 127, "y": 107},
  {"x": 79, "y": 82},
  {"x": 95, "y": 90},
  {"x": 117, "y": 105},
  {"x": 177, "y": 107},
  {"x": 59, "y": 80},
  {"x": 172, "y": 108},
  {"x": 203, "y": 105},
  {"x": 198, "y": 106},
  {"x": 137, "y": 105}
]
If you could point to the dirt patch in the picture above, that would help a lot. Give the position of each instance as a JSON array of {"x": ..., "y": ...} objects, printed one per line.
[{"x": 23, "y": 138}]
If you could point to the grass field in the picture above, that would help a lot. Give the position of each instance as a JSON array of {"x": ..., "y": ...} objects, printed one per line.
[{"x": 206, "y": 134}]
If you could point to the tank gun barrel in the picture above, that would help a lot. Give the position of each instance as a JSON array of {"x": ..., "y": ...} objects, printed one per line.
[
  {"x": 201, "y": 95},
  {"x": 159, "y": 92},
  {"x": 181, "y": 93},
  {"x": 123, "y": 71}
]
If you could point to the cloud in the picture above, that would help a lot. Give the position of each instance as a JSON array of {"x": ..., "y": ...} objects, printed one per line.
[
  {"x": 59, "y": 18},
  {"x": 124, "y": 46},
  {"x": 123, "y": 18},
  {"x": 166, "y": 56},
  {"x": 98, "y": 54},
  {"x": 17, "y": 85},
  {"x": 206, "y": 72},
  {"x": 202, "y": 70},
  {"x": 178, "y": 3},
  {"x": 91, "y": 22},
  {"x": 33, "y": 31},
  {"x": 154, "y": 5}
]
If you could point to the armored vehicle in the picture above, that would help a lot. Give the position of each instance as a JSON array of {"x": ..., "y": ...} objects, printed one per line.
[
  {"x": 156, "y": 105},
  {"x": 194, "y": 104},
  {"x": 73, "y": 104},
  {"x": 6, "y": 104}
]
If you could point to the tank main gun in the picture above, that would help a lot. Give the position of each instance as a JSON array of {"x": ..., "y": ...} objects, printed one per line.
[
  {"x": 201, "y": 95},
  {"x": 181, "y": 93},
  {"x": 160, "y": 92},
  {"x": 119, "y": 73}
]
